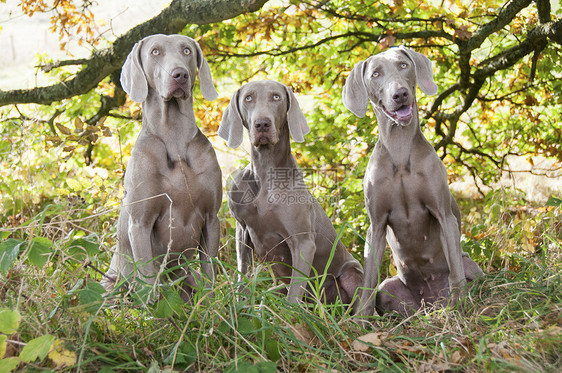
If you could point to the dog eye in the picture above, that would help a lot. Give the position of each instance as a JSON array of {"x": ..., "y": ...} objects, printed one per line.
[
  {"x": 403, "y": 65},
  {"x": 376, "y": 74},
  {"x": 248, "y": 99},
  {"x": 155, "y": 52},
  {"x": 187, "y": 51},
  {"x": 276, "y": 97}
]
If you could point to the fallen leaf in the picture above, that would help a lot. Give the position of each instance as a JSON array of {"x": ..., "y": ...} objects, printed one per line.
[
  {"x": 552, "y": 331},
  {"x": 303, "y": 333},
  {"x": 62, "y": 357},
  {"x": 361, "y": 344},
  {"x": 405, "y": 346},
  {"x": 432, "y": 367},
  {"x": 456, "y": 357}
]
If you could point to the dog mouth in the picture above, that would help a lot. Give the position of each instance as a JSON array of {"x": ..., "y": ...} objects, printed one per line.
[
  {"x": 403, "y": 114},
  {"x": 177, "y": 91},
  {"x": 262, "y": 140}
]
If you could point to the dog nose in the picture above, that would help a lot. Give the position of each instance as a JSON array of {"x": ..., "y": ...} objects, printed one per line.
[
  {"x": 180, "y": 75},
  {"x": 401, "y": 95},
  {"x": 262, "y": 124}
]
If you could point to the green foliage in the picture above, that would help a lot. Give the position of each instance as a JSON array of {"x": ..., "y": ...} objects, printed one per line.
[
  {"x": 91, "y": 296},
  {"x": 249, "y": 326},
  {"x": 37, "y": 348},
  {"x": 75, "y": 151},
  {"x": 9, "y": 251},
  {"x": 9, "y": 321},
  {"x": 311, "y": 46}
]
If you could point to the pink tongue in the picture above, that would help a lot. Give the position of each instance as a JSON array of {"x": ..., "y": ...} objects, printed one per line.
[{"x": 404, "y": 112}]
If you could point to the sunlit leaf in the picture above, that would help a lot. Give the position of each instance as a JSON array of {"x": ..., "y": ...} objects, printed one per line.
[
  {"x": 9, "y": 321},
  {"x": 37, "y": 348},
  {"x": 9, "y": 364}
]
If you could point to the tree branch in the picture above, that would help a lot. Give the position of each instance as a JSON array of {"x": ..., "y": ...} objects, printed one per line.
[
  {"x": 534, "y": 43},
  {"x": 505, "y": 16},
  {"x": 102, "y": 63},
  {"x": 362, "y": 18},
  {"x": 361, "y": 35}
]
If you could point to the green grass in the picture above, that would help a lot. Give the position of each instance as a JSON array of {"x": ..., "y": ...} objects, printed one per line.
[{"x": 509, "y": 321}]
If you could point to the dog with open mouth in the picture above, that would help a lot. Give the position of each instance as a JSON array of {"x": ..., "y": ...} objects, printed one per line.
[{"x": 406, "y": 191}]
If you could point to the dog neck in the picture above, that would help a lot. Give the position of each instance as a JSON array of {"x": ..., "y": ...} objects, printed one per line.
[
  {"x": 396, "y": 138},
  {"x": 173, "y": 121},
  {"x": 267, "y": 158}
]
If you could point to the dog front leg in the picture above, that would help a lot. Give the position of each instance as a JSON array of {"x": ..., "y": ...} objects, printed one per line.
[
  {"x": 302, "y": 253},
  {"x": 243, "y": 250},
  {"x": 209, "y": 246},
  {"x": 453, "y": 254},
  {"x": 451, "y": 243},
  {"x": 373, "y": 253},
  {"x": 140, "y": 233}
]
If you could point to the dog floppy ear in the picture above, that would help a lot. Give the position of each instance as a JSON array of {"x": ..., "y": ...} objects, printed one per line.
[
  {"x": 298, "y": 127},
  {"x": 354, "y": 94},
  {"x": 132, "y": 78},
  {"x": 231, "y": 128},
  {"x": 424, "y": 71},
  {"x": 205, "y": 79}
]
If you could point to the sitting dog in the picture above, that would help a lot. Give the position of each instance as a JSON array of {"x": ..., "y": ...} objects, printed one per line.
[
  {"x": 173, "y": 187},
  {"x": 276, "y": 215},
  {"x": 406, "y": 191}
]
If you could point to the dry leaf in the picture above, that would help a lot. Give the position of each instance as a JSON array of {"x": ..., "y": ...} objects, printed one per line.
[
  {"x": 456, "y": 357},
  {"x": 462, "y": 33},
  {"x": 360, "y": 344},
  {"x": 78, "y": 124},
  {"x": 60, "y": 356},
  {"x": 101, "y": 122},
  {"x": 387, "y": 42},
  {"x": 63, "y": 129},
  {"x": 303, "y": 333},
  {"x": 432, "y": 367}
]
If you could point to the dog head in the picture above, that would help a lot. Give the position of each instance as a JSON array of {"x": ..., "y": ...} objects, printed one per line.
[
  {"x": 167, "y": 64},
  {"x": 389, "y": 80},
  {"x": 263, "y": 107}
]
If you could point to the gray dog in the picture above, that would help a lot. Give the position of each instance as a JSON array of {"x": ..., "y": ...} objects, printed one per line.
[
  {"x": 276, "y": 215},
  {"x": 406, "y": 191},
  {"x": 173, "y": 181}
]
